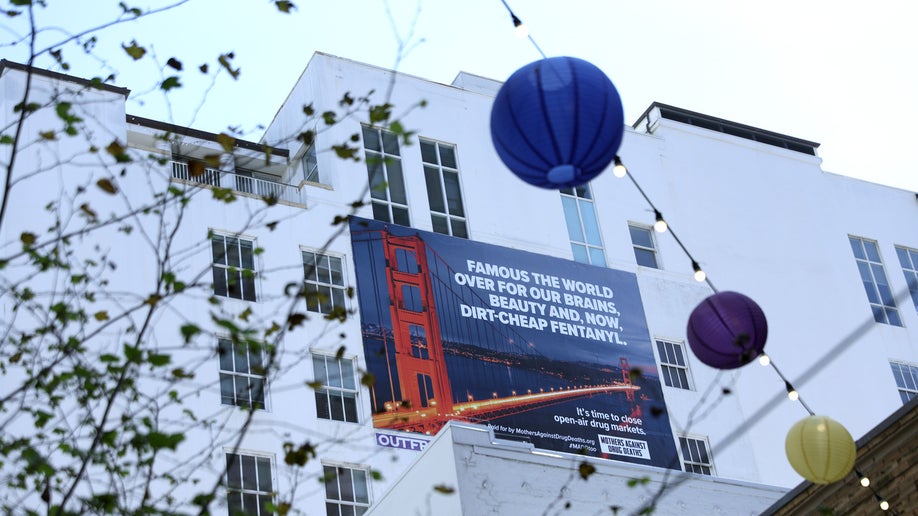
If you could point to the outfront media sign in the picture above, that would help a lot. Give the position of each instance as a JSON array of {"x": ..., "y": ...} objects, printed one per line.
[{"x": 538, "y": 348}]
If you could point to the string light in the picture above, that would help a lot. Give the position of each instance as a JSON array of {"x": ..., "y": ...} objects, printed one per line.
[
  {"x": 791, "y": 392},
  {"x": 699, "y": 274},
  {"x": 884, "y": 505},
  {"x": 619, "y": 169},
  {"x": 521, "y": 30},
  {"x": 660, "y": 225},
  {"x": 865, "y": 482}
]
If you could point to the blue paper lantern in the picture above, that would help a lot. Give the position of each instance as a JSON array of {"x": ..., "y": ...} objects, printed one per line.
[
  {"x": 727, "y": 330},
  {"x": 557, "y": 122}
]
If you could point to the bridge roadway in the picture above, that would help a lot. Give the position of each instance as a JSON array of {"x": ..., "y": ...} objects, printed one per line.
[{"x": 429, "y": 420}]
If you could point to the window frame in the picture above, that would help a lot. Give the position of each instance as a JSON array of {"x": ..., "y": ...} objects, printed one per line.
[
  {"x": 385, "y": 160},
  {"x": 654, "y": 250},
  {"x": 325, "y": 394},
  {"x": 666, "y": 365},
  {"x": 441, "y": 196},
  {"x": 908, "y": 259},
  {"x": 233, "y": 374},
  {"x": 906, "y": 393},
  {"x": 228, "y": 269},
  {"x": 573, "y": 194},
  {"x": 336, "y": 503},
  {"x": 258, "y": 492},
  {"x": 882, "y": 312},
  {"x": 335, "y": 290},
  {"x": 688, "y": 465}
]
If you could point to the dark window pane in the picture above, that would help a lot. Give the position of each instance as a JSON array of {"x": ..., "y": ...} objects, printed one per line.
[
  {"x": 371, "y": 139},
  {"x": 641, "y": 237},
  {"x": 248, "y": 472},
  {"x": 440, "y": 224},
  {"x": 396, "y": 181},
  {"x": 322, "y": 410},
  {"x": 447, "y": 156},
  {"x": 227, "y": 390},
  {"x": 459, "y": 229},
  {"x": 220, "y": 286},
  {"x": 331, "y": 483},
  {"x": 428, "y": 152},
  {"x": 400, "y": 216},
  {"x": 434, "y": 194},
  {"x": 645, "y": 258},
  {"x": 453, "y": 194},
  {"x": 233, "y": 479},
  {"x": 390, "y": 143},
  {"x": 873, "y": 254},
  {"x": 347, "y": 486},
  {"x": 218, "y": 251},
  {"x": 350, "y": 408},
  {"x": 336, "y": 404},
  {"x": 264, "y": 474},
  {"x": 857, "y": 248},
  {"x": 381, "y": 212}
]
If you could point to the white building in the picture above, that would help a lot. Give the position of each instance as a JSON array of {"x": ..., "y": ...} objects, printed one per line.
[{"x": 753, "y": 207}]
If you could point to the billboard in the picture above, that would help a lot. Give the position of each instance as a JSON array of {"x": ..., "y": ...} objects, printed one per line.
[{"x": 538, "y": 348}]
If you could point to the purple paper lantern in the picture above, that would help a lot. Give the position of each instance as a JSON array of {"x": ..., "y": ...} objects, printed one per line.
[
  {"x": 557, "y": 122},
  {"x": 727, "y": 330}
]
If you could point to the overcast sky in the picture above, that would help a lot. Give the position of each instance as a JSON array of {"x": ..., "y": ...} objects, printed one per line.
[{"x": 836, "y": 72}]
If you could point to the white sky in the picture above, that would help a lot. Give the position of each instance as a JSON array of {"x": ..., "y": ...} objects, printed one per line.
[{"x": 840, "y": 73}]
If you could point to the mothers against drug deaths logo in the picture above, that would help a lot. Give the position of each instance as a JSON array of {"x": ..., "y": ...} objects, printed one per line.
[{"x": 538, "y": 348}]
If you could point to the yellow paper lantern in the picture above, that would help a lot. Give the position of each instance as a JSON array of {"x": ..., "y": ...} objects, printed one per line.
[{"x": 820, "y": 449}]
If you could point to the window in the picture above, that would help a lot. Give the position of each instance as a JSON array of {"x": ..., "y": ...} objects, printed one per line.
[
  {"x": 582, "y": 226},
  {"x": 249, "y": 487},
  {"x": 310, "y": 165},
  {"x": 442, "y": 175},
  {"x": 645, "y": 252},
  {"x": 347, "y": 491},
  {"x": 877, "y": 286},
  {"x": 324, "y": 282},
  {"x": 233, "y": 267},
  {"x": 336, "y": 388},
  {"x": 384, "y": 170},
  {"x": 906, "y": 379},
  {"x": 908, "y": 259},
  {"x": 696, "y": 457},
  {"x": 673, "y": 366},
  {"x": 242, "y": 374}
]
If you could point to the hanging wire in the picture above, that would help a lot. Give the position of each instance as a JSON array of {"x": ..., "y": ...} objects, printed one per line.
[
  {"x": 518, "y": 24},
  {"x": 620, "y": 170}
]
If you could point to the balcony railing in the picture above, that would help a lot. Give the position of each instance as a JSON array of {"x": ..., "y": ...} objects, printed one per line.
[{"x": 240, "y": 183}]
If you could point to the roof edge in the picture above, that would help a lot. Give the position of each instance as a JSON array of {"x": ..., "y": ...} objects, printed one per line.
[
  {"x": 204, "y": 135},
  {"x": 94, "y": 84}
]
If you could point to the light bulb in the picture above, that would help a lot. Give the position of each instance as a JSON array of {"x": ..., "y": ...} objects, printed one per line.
[
  {"x": 764, "y": 359},
  {"x": 699, "y": 274},
  {"x": 884, "y": 505},
  {"x": 865, "y": 481},
  {"x": 660, "y": 225},
  {"x": 791, "y": 392},
  {"x": 619, "y": 169}
]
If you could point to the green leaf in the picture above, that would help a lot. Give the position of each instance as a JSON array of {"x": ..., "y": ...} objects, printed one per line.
[
  {"x": 159, "y": 360},
  {"x": 159, "y": 440},
  {"x": 586, "y": 469},
  {"x": 443, "y": 488},
  {"x": 174, "y": 63},
  {"x": 101, "y": 316},
  {"x": 284, "y": 6},
  {"x": 224, "y": 61},
  {"x": 226, "y": 141},
  {"x": 170, "y": 83},
  {"x": 28, "y": 238},
  {"x": 134, "y": 50},
  {"x": 107, "y": 186}
]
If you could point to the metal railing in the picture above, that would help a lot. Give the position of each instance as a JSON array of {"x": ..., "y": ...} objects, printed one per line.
[{"x": 239, "y": 183}]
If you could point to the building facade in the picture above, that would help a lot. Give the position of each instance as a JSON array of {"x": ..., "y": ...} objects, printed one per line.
[{"x": 282, "y": 230}]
